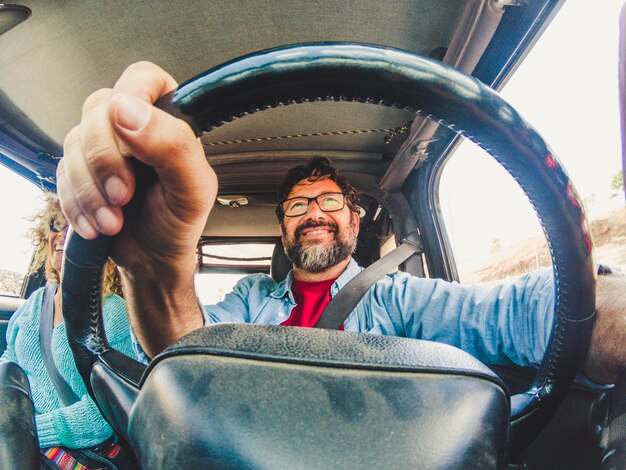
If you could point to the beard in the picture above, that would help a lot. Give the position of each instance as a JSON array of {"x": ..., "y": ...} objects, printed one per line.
[{"x": 317, "y": 257}]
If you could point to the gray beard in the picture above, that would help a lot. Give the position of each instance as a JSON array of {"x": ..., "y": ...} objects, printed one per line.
[{"x": 319, "y": 257}]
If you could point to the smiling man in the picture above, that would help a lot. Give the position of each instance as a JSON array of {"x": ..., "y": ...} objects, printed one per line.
[
  {"x": 319, "y": 220},
  {"x": 318, "y": 234}
]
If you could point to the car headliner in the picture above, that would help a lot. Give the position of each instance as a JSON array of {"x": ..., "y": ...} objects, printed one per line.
[{"x": 66, "y": 50}]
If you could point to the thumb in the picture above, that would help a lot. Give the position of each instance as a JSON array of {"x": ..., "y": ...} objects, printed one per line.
[{"x": 168, "y": 145}]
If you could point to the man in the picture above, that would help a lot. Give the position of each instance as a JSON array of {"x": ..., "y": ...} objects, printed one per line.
[
  {"x": 319, "y": 221},
  {"x": 155, "y": 248}
]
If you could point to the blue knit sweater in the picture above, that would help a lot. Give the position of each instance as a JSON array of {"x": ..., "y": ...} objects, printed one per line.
[{"x": 79, "y": 425}]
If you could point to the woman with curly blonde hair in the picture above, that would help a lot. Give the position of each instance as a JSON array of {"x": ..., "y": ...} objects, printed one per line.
[
  {"x": 70, "y": 428},
  {"x": 51, "y": 219}
]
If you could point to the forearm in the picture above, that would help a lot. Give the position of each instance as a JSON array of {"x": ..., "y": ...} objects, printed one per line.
[
  {"x": 508, "y": 322},
  {"x": 607, "y": 351},
  {"x": 161, "y": 309}
]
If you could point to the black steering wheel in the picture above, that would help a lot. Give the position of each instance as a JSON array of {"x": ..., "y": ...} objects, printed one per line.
[{"x": 364, "y": 73}]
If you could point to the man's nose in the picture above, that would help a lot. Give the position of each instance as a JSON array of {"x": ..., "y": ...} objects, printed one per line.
[{"x": 314, "y": 211}]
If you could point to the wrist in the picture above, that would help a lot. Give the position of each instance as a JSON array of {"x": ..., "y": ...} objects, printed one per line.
[{"x": 162, "y": 305}]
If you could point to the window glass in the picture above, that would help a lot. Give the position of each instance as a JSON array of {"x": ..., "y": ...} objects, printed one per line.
[
  {"x": 492, "y": 227},
  {"x": 576, "y": 110},
  {"x": 243, "y": 255},
  {"x": 221, "y": 266},
  {"x": 388, "y": 246},
  {"x": 20, "y": 200},
  {"x": 211, "y": 288}
]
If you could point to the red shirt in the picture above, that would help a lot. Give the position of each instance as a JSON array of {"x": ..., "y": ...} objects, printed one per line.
[{"x": 311, "y": 299}]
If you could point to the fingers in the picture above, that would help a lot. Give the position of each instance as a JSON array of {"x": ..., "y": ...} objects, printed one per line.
[
  {"x": 95, "y": 178},
  {"x": 145, "y": 81},
  {"x": 103, "y": 155},
  {"x": 81, "y": 197},
  {"x": 70, "y": 206},
  {"x": 153, "y": 136},
  {"x": 160, "y": 140},
  {"x": 149, "y": 134},
  {"x": 168, "y": 145}
]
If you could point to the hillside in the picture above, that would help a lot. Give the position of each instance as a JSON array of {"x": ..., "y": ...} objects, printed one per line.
[
  {"x": 10, "y": 282},
  {"x": 608, "y": 232}
]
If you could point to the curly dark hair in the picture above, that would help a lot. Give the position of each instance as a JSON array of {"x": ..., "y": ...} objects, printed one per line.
[{"x": 317, "y": 168}]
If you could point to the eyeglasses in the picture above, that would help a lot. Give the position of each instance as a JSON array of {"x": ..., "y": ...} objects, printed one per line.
[
  {"x": 327, "y": 202},
  {"x": 57, "y": 226}
]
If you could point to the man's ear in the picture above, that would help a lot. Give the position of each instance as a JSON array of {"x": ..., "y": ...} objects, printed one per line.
[{"x": 356, "y": 220}]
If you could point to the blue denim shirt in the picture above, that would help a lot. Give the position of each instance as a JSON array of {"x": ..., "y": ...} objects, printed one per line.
[{"x": 498, "y": 324}]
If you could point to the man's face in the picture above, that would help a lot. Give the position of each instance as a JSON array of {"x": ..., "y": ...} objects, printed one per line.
[{"x": 317, "y": 240}]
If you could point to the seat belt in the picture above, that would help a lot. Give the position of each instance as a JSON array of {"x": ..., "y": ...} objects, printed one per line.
[
  {"x": 46, "y": 319},
  {"x": 351, "y": 294}
]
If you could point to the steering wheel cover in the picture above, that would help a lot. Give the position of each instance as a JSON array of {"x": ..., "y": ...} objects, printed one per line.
[{"x": 373, "y": 74}]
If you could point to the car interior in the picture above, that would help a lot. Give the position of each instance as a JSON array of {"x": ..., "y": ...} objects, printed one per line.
[{"x": 386, "y": 91}]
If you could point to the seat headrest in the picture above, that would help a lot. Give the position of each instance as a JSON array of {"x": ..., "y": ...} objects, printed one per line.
[
  {"x": 18, "y": 437},
  {"x": 281, "y": 265}
]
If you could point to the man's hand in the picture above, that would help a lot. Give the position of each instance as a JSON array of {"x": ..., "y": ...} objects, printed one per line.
[
  {"x": 606, "y": 357},
  {"x": 158, "y": 232}
]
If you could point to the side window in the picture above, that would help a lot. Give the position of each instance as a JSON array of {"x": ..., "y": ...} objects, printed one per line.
[
  {"x": 494, "y": 232},
  {"x": 493, "y": 229},
  {"x": 20, "y": 201},
  {"x": 220, "y": 266}
]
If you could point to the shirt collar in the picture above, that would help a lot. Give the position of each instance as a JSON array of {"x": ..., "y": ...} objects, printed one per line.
[
  {"x": 351, "y": 270},
  {"x": 284, "y": 287}
]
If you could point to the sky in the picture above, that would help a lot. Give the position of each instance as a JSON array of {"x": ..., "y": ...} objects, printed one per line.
[{"x": 566, "y": 88}]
